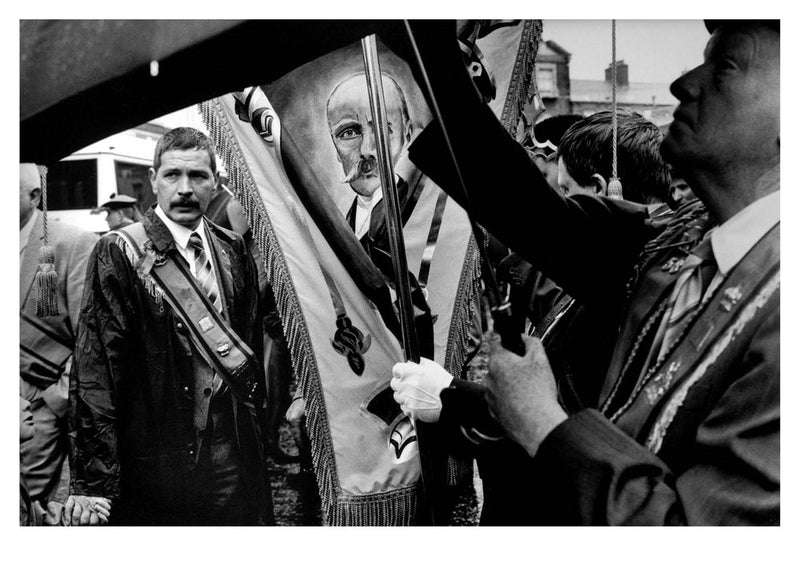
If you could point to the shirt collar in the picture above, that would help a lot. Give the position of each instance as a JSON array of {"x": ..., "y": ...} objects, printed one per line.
[
  {"x": 181, "y": 234},
  {"x": 369, "y": 202},
  {"x": 733, "y": 239}
]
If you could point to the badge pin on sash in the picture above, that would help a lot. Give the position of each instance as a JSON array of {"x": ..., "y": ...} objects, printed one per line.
[{"x": 730, "y": 297}]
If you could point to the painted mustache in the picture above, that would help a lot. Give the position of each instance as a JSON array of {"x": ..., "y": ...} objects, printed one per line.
[{"x": 364, "y": 166}]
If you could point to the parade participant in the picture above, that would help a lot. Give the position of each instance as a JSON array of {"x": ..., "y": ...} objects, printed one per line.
[
  {"x": 578, "y": 339},
  {"x": 679, "y": 190},
  {"x": 120, "y": 211},
  {"x": 46, "y": 342},
  {"x": 168, "y": 381},
  {"x": 688, "y": 426},
  {"x": 584, "y": 157}
]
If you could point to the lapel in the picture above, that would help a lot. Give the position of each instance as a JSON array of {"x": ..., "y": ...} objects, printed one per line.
[
  {"x": 158, "y": 233},
  {"x": 30, "y": 261}
]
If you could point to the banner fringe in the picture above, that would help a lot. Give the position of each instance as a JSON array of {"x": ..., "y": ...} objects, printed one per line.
[{"x": 396, "y": 507}]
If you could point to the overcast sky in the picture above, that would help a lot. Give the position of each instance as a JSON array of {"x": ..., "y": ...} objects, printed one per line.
[{"x": 655, "y": 50}]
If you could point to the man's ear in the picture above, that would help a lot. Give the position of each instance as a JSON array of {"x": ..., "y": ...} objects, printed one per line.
[
  {"x": 36, "y": 196},
  {"x": 152, "y": 172},
  {"x": 409, "y": 131},
  {"x": 599, "y": 183}
]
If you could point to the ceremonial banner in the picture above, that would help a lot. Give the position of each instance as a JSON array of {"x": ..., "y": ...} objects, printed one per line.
[
  {"x": 308, "y": 131},
  {"x": 501, "y": 55}
]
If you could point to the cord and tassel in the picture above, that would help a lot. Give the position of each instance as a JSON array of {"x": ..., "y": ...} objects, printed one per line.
[
  {"x": 614, "y": 184},
  {"x": 46, "y": 279}
]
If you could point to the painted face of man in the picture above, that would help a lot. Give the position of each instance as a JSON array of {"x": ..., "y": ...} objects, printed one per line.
[
  {"x": 350, "y": 124},
  {"x": 183, "y": 185},
  {"x": 729, "y": 111}
]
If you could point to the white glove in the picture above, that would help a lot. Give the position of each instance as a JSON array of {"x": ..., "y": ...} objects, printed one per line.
[{"x": 417, "y": 388}]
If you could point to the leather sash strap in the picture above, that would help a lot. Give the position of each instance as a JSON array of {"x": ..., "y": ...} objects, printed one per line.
[
  {"x": 43, "y": 353},
  {"x": 217, "y": 342}
]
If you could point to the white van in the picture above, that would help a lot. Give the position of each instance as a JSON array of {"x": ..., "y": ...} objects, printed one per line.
[{"x": 86, "y": 179}]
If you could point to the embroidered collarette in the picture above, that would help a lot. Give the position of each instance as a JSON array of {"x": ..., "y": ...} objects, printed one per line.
[{"x": 661, "y": 382}]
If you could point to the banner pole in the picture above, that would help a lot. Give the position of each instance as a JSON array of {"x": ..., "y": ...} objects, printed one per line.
[{"x": 394, "y": 227}]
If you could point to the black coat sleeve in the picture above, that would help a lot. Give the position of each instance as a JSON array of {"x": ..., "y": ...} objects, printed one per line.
[
  {"x": 586, "y": 244},
  {"x": 99, "y": 369},
  {"x": 589, "y": 472}
]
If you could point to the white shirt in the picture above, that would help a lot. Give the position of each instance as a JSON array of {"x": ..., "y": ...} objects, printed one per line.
[
  {"x": 181, "y": 235},
  {"x": 731, "y": 241},
  {"x": 25, "y": 234},
  {"x": 364, "y": 206}
]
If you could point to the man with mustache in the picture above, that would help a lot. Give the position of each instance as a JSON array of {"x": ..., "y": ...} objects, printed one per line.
[
  {"x": 350, "y": 124},
  {"x": 168, "y": 383},
  {"x": 687, "y": 426}
]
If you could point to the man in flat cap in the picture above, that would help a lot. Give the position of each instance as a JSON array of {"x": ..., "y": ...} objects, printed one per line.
[
  {"x": 121, "y": 211},
  {"x": 687, "y": 427}
]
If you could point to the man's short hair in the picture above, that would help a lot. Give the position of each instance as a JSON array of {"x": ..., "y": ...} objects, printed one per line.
[
  {"x": 586, "y": 150},
  {"x": 184, "y": 139}
]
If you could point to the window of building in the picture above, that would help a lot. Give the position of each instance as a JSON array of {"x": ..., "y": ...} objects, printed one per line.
[
  {"x": 546, "y": 80},
  {"x": 72, "y": 185}
]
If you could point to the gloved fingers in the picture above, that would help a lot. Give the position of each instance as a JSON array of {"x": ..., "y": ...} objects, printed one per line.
[
  {"x": 417, "y": 402},
  {"x": 401, "y": 370}
]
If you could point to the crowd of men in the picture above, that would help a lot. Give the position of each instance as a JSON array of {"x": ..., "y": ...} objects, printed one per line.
[{"x": 649, "y": 387}]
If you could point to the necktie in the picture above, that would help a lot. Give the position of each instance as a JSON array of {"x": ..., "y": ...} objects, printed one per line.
[
  {"x": 697, "y": 273},
  {"x": 204, "y": 272}
]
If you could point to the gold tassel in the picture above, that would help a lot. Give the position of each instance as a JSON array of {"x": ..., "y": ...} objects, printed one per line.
[{"x": 46, "y": 278}]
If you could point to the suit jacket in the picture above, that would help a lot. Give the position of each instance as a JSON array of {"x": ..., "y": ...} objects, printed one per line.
[
  {"x": 72, "y": 247},
  {"x": 139, "y": 394},
  {"x": 705, "y": 450},
  {"x": 46, "y": 345}
]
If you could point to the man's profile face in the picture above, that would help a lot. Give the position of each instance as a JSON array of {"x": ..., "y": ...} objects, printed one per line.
[
  {"x": 114, "y": 218},
  {"x": 183, "y": 185},
  {"x": 350, "y": 124},
  {"x": 729, "y": 111}
]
